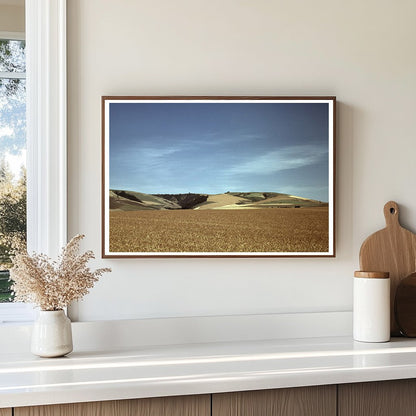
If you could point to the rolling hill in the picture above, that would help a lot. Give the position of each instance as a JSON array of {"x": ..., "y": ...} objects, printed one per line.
[{"x": 122, "y": 200}]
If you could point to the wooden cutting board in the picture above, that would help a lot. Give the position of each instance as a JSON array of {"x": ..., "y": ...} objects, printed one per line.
[
  {"x": 405, "y": 306},
  {"x": 393, "y": 250}
]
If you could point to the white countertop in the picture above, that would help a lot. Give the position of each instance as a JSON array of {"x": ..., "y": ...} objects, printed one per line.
[{"x": 148, "y": 371}]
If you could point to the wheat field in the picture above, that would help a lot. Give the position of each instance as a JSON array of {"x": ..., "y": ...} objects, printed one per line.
[{"x": 250, "y": 230}]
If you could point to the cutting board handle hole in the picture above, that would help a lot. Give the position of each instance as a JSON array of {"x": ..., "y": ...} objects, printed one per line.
[{"x": 391, "y": 213}]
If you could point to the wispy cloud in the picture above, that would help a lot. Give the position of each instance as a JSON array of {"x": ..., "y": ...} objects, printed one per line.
[
  {"x": 6, "y": 131},
  {"x": 150, "y": 153},
  {"x": 292, "y": 157},
  {"x": 143, "y": 155}
]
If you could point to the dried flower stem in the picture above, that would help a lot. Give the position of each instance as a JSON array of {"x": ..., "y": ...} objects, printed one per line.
[{"x": 53, "y": 285}]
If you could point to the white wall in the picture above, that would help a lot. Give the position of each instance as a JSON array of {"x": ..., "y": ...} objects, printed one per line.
[{"x": 361, "y": 51}]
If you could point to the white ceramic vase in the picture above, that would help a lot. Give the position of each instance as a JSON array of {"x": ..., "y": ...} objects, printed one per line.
[{"x": 52, "y": 334}]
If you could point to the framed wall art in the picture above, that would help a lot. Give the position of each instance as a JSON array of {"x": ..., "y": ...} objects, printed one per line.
[{"x": 218, "y": 176}]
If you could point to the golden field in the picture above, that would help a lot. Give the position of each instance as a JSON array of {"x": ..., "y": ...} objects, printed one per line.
[{"x": 216, "y": 230}]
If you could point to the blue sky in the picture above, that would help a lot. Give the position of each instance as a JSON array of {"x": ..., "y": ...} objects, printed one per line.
[{"x": 219, "y": 147}]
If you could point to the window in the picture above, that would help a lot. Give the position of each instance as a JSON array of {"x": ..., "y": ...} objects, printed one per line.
[
  {"x": 46, "y": 135},
  {"x": 12, "y": 155}
]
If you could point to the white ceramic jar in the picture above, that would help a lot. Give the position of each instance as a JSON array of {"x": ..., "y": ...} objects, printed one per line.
[
  {"x": 52, "y": 334},
  {"x": 371, "y": 306}
]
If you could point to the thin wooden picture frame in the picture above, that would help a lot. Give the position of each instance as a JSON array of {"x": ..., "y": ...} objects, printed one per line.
[{"x": 218, "y": 176}]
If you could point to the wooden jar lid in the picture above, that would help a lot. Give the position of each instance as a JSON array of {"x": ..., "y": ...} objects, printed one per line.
[{"x": 372, "y": 275}]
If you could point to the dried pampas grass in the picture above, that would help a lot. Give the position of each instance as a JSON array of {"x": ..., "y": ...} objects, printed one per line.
[{"x": 52, "y": 285}]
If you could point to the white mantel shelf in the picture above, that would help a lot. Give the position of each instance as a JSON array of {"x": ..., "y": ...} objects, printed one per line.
[{"x": 148, "y": 371}]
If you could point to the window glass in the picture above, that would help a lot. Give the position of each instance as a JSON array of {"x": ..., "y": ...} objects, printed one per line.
[
  {"x": 12, "y": 55},
  {"x": 12, "y": 156}
]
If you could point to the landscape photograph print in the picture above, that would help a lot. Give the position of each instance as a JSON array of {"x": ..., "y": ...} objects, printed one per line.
[{"x": 218, "y": 176}]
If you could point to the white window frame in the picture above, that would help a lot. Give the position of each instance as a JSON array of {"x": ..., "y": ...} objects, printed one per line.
[
  {"x": 46, "y": 135},
  {"x": 10, "y": 312}
]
